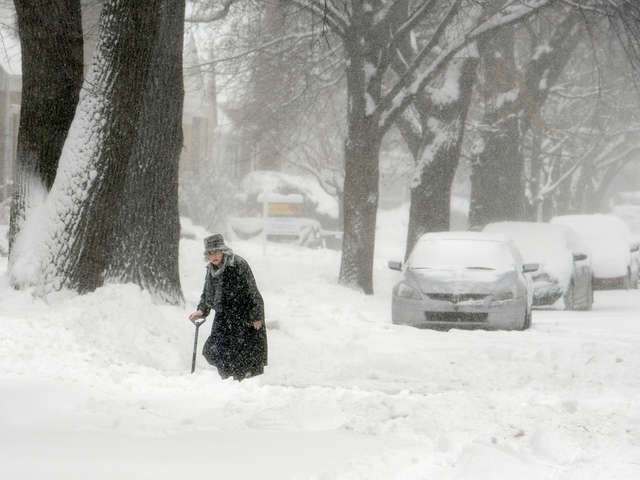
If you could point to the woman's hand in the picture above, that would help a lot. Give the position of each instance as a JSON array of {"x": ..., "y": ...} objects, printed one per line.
[{"x": 196, "y": 315}]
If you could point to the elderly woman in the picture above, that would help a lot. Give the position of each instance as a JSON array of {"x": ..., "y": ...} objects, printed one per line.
[{"x": 237, "y": 345}]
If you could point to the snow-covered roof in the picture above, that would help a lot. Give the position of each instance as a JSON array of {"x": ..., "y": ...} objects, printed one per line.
[
  {"x": 462, "y": 250},
  {"x": 608, "y": 238},
  {"x": 541, "y": 243},
  {"x": 596, "y": 225},
  {"x": 462, "y": 236}
]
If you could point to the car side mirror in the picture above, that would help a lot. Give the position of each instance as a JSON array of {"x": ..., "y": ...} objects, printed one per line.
[
  {"x": 394, "y": 265},
  {"x": 578, "y": 257},
  {"x": 530, "y": 267}
]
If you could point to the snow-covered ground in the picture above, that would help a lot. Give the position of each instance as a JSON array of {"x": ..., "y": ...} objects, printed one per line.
[{"x": 98, "y": 386}]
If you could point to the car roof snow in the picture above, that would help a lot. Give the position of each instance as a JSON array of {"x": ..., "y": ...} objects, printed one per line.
[{"x": 471, "y": 236}]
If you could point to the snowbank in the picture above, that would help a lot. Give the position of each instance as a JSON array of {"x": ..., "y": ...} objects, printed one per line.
[{"x": 346, "y": 394}]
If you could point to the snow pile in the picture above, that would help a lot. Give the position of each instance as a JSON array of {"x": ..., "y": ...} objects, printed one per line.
[
  {"x": 346, "y": 393},
  {"x": 608, "y": 239}
]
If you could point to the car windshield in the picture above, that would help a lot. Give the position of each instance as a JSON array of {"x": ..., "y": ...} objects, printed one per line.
[{"x": 461, "y": 253}]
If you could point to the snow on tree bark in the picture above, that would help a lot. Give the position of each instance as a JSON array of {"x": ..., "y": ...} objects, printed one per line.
[
  {"x": 362, "y": 176},
  {"x": 64, "y": 244},
  {"x": 51, "y": 44},
  {"x": 437, "y": 152},
  {"x": 145, "y": 241}
]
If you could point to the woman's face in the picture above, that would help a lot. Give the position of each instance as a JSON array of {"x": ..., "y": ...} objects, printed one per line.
[{"x": 215, "y": 258}]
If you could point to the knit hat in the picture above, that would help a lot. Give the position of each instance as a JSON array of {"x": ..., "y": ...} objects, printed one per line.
[{"x": 214, "y": 243}]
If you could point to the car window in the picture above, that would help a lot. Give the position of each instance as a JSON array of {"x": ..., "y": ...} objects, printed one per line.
[{"x": 461, "y": 253}]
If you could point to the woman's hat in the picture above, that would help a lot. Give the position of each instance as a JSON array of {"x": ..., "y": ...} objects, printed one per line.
[{"x": 214, "y": 243}]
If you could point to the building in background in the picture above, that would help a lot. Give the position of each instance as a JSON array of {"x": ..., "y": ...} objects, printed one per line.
[
  {"x": 207, "y": 145},
  {"x": 10, "y": 95}
]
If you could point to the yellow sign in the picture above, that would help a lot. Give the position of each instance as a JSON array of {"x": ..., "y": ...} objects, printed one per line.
[{"x": 284, "y": 209}]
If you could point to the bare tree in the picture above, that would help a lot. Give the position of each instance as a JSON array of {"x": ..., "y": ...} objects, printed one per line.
[
  {"x": 371, "y": 33},
  {"x": 144, "y": 245},
  {"x": 65, "y": 242},
  {"x": 587, "y": 133},
  {"x": 51, "y": 42},
  {"x": 513, "y": 98}
]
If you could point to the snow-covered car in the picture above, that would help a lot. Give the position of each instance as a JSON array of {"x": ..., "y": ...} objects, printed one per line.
[
  {"x": 463, "y": 280},
  {"x": 611, "y": 247},
  {"x": 565, "y": 266},
  {"x": 628, "y": 210}
]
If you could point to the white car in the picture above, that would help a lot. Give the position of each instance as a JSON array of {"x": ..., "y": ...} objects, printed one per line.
[
  {"x": 611, "y": 247},
  {"x": 463, "y": 280},
  {"x": 565, "y": 267}
]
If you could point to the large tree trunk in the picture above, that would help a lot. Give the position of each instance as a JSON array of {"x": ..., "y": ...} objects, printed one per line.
[
  {"x": 65, "y": 244},
  {"x": 361, "y": 183},
  {"x": 147, "y": 233},
  {"x": 442, "y": 135},
  {"x": 51, "y": 43},
  {"x": 497, "y": 177},
  {"x": 361, "y": 195},
  {"x": 497, "y": 170}
]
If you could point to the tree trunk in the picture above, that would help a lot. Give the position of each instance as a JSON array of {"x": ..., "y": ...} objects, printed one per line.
[
  {"x": 361, "y": 194},
  {"x": 144, "y": 248},
  {"x": 361, "y": 183},
  {"x": 513, "y": 102},
  {"x": 497, "y": 177},
  {"x": 497, "y": 171},
  {"x": 67, "y": 240},
  {"x": 51, "y": 42},
  {"x": 430, "y": 206}
]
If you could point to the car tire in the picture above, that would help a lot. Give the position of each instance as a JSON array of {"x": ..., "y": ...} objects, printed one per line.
[{"x": 569, "y": 297}]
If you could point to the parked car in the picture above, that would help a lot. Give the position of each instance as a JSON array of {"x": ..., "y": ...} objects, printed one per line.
[
  {"x": 626, "y": 206},
  {"x": 565, "y": 267},
  {"x": 463, "y": 280},
  {"x": 612, "y": 248}
]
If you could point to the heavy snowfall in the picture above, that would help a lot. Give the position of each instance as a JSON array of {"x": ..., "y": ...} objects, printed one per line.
[
  {"x": 328, "y": 141},
  {"x": 98, "y": 386}
]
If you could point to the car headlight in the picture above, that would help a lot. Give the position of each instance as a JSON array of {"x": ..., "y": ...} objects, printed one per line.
[{"x": 404, "y": 290}]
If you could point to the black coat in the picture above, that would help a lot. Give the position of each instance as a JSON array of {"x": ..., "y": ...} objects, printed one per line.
[{"x": 235, "y": 347}]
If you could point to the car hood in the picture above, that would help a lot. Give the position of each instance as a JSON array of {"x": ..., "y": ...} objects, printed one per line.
[{"x": 461, "y": 280}]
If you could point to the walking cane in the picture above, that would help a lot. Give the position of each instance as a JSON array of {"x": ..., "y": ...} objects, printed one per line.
[{"x": 197, "y": 323}]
